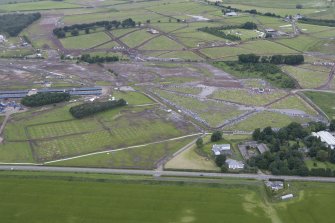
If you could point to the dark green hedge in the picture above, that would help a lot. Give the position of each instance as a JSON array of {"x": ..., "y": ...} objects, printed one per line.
[
  {"x": 87, "y": 109},
  {"x": 40, "y": 99}
]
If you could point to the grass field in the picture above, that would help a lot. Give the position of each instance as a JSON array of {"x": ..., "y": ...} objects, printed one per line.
[
  {"x": 247, "y": 97},
  {"x": 305, "y": 77},
  {"x": 54, "y": 133},
  {"x": 61, "y": 197},
  {"x": 294, "y": 102},
  {"x": 325, "y": 101},
  {"x": 213, "y": 113},
  {"x": 145, "y": 157},
  {"x": 85, "y": 41},
  {"x": 265, "y": 119},
  {"x": 40, "y": 5}
]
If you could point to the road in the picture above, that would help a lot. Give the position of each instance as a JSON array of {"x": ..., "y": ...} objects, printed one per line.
[{"x": 163, "y": 173}]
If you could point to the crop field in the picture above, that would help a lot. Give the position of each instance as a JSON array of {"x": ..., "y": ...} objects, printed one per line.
[
  {"x": 136, "y": 38},
  {"x": 307, "y": 78},
  {"x": 325, "y": 101},
  {"x": 265, "y": 119},
  {"x": 40, "y": 5},
  {"x": 248, "y": 97},
  {"x": 145, "y": 157},
  {"x": 27, "y": 195}
]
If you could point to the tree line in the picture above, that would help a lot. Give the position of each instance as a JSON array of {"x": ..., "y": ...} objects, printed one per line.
[
  {"x": 287, "y": 150},
  {"x": 47, "y": 98},
  {"x": 87, "y": 109},
  {"x": 274, "y": 59},
  {"x": 217, "y": 31},
  {"x": 13, "y": 24},
  {"x": 98, "y": 59},
  {"x": 227, "y": 9},
  {"x": 74, "y": 29},
  {"x": 319, "y": 22}
]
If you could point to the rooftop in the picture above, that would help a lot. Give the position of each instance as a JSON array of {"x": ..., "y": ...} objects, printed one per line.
[{"x": 325, "y": 137}]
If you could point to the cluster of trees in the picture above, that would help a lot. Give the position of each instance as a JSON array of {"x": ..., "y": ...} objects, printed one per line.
[
  {"x": 285, "y": 156},
  {"x": 47, "y": 98},
  {"x": 74, "y": 29},
  {"x": 319, "y": 22},
  {"x": 13, "y": 24},
  {"x": 226, "y": 9},
  {"x": 98, "y": 59},
  {"x": 274, "y": 59},
  {"x": 87, "y": 109},
  {"x": 267, "y": 71}
]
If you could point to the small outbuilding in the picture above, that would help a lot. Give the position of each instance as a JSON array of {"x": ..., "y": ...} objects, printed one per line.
[
  {"x": 287, "y": 196},
  {"x": 231, "y": 14}
]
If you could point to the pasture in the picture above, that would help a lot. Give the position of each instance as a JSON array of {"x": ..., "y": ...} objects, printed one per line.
[{"x": 307, "y": 78}]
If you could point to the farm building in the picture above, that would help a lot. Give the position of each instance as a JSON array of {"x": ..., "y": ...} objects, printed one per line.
[
  {"x": 325, "y": 137},
  {"x": 231, "y": 14},
  {"x": 270, "y": 31},
  {"x": 234, "y": 164},
  {"x": 2, "y": 38},
  {"x": 287, "y": 196},
  {"x": 221, "y": 149},
  {"x": 153, "y": 31},
  {"x": 275, "y": 185}
]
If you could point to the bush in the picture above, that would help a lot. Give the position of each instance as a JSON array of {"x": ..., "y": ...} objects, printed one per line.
[
  {"x": 40, "y": 99},
  {"x": 216, "y": 136},
  {"x": 87, "y": 109}
]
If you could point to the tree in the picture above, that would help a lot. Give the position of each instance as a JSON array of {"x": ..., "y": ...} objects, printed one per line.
[
  {"x": 322, "y": 155},
  {"x": 332, "y": 125},
  {"x": 148, "y": 21},
  {"x": 220, "y": 160},
  {"x": 87, "y": 30},
  {"x": 199, "y": 142},
  {"x": 216, "y": 136},
  {"x": 299, "y": 6},
  {"x": 256, "y": 134},
  {"x": 224, "y": 168},
  {"x": 75, "y": 32}
]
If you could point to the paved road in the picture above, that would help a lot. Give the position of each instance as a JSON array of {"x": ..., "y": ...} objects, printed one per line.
[{"x": 162, "y": 173}]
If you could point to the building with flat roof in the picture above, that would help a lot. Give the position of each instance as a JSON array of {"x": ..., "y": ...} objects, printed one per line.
[
  {"x": 325, "y": 137},
  {"x": 221, "y": 149}
]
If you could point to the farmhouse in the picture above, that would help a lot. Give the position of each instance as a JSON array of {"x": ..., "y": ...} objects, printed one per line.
[
  {"x": 325, "y": 137},
  {"x": 234, "y": 164},
  {"x": 221, "y": 149},
  {"x": 275, "y": 185}
]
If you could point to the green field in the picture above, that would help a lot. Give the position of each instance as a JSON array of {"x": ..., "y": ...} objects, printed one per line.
[
  {"x": 36, "y": 197},
  {"x": 55, "y": 134},
  {"x": 325, "y": 101},
  {"x": 85, "y": 41},
  {"x": 145, "y": 157},
  {"x": 294, "y": 102},
  {"x": 265, "y": 119},
  {"x": 248, "y": 97},
  {"x": 307, "y": 78}
]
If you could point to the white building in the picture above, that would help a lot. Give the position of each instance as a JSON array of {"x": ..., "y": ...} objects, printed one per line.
[
  {"x": 234, "y": 164},
  {"x": 2, "y": 38},
  {"x": 153, "y": 31},
  {"x": 221, "y": 149},
  {"x": 231, "y": 14},
  {"x": 287, "y": 196},
  {"x": 325, "y": 137}
]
